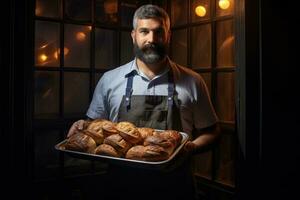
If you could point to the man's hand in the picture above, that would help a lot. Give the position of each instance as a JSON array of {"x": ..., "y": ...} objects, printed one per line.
[
  {"x": 77, "y": 126},
  {"x": 190, "y": 147}
]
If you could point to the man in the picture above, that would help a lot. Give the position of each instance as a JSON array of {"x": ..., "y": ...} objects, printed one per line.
[{"x": 152, "y": 91}]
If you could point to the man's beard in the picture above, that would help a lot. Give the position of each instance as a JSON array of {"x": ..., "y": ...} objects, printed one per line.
[{"x": 151, "y": 53}]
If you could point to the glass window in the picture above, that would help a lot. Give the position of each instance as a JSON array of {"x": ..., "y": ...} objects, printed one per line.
[
  {"x": 105, "y": 49},
  {"x": 207, "y": 78},
  {"x": 46, "y": 94},
  {"x": 179, "y": 12},
  {"x": 79, "y": 10},
  {"x": 202, "y": 164},
  {"x": 107, "y": 11},
  {"x": 225, "y": 44},
  {"x": 179, "y": 46},
  {"x": 47, "y": 44},
  {"x": 201, "y": 46},
  {"x": 224, "y": 7},
  {"x": 77, "y": 46},
  {"x": 48, "y": 8},
  {"x": 200, "y": 10},
  {"x": 126, "y": 47},
  {"x": 225, "y": 104},
  {"x": 225, "y": 171},
  {"x": 76, "y": 93},
  {"x": 128, "y": 8}
]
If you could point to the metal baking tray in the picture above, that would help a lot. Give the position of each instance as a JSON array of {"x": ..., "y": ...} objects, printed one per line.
[{"x": 124, "y": 161}]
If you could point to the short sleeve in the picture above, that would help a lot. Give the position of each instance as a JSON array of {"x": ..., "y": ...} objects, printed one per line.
[
  {"x": 98, "y": 105},
  {"x": 204, "y": 114}
]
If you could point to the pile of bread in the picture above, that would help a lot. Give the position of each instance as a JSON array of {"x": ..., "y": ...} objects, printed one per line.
[{"x": 124, "y": 140}]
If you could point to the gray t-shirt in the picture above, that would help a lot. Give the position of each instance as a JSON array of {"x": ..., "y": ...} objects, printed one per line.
[{"x": 195, "y": 106}]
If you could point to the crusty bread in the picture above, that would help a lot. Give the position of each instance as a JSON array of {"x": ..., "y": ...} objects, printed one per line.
[
  {"x": 97, "y": 136},
  {"x": 155, "y": 153},
  {"x": 147, "y": 153},
  {"x": 145, "y": 132},
  {"x": 109, "y": 128},
  {"x": 129, "y": 132},
  {"x": 168, "y": 145},
  {"x": 172, "y": 135},
  {"x": 118, "y": 143},
  {"x": 107, "y": 150},
  {"x": 135, "y": 152},
  {"x": 81, "y": 142}
]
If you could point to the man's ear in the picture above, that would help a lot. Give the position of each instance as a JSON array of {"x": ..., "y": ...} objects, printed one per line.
[
  {"x": 169, "y": 36},
  {"x": 133, "y": 35}
]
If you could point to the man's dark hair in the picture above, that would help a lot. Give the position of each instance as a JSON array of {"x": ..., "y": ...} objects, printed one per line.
[{"x": 151, "y": 11}]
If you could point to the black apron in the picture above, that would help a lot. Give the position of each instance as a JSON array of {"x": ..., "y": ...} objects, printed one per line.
[{"x": 159, "y": 112}]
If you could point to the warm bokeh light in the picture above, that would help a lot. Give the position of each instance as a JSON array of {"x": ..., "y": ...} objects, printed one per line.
[
  {"x": 111, "y": 6},
  {"x": 38, "y": 11},
  {"x": 56, "y": 53},
  {"x": 89, "y": 28},
  {"x": 200, "y": 11},
  {"x": 43, "y": 57},
  {"x": 224, "y": 4},
  {"x": 80, "y": 36}
]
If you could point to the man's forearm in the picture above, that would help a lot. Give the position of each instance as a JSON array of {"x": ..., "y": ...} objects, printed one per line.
[{"x": 206, "y": 139}]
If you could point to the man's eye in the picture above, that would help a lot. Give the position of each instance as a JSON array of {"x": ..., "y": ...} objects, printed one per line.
[{"x": 144, "y": 31}]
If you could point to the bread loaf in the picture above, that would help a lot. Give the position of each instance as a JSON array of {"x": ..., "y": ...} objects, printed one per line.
[
  {"x": 81, "y": 142},
  {"x": 107, "y": 150},
  {"x": 129, "y": 132},
  {"x": 118, "y": 143}
]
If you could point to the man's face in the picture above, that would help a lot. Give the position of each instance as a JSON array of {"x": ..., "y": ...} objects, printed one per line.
[{"x": 151, "y": 40}]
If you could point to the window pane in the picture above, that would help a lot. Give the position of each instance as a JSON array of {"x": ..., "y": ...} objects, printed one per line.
[
  {"x": 46, "y": 158},
  {"x": 78, "y": 10},
  {"x": 128, "y": 8},
  {"x": 46, "y": 94},
  {"x": 126, "y": 47},
  {"x": 225, "y": 171},
  {"x": 179, "y": 12},
  {"x": 46, "y": 44},
  {"x": 200, "y": 10},
  {"x": 201, "y": 46},
  {"x": 105, "y": 49},
  {"x": 207, "y": 79},
  {"x": 48, "y": 8},
  {"x": 225, "y": 43},
  {"x": 107, "y": 11},
  {"x": 179, "y": 46},
  {"x": 202, "y": 164},
  {"x": 224, "y": 7},
  {"x": 77, "y": 46},
  {"x": 76, "y": 93},
  {"x": 225, "y": 104}
]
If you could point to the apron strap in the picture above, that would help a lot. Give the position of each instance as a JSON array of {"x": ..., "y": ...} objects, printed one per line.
[
  {"x": 129, "y": 90},
  {"x": 171, "y": 88}
]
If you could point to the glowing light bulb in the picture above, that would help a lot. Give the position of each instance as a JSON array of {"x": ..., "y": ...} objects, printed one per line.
[
  {"x": 200, "y": 11},
  {"x": 80, "y": 36},
  {"x": 224, "y": 4},
  {"x": 56, "y": 53},
  {"x": 43, "y": 57}
]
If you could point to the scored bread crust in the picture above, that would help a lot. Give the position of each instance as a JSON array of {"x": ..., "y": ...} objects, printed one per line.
[
  {"x": 118, "y": 143},
  {"x": 129, "y": 132},
  {"x": 107, "y": 150},
  {"x": 80, "y": 142}
]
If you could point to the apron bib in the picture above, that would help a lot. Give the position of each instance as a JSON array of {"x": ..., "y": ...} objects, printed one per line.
[{"x": 158, "y": 112}]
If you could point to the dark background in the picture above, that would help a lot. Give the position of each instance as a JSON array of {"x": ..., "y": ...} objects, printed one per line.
[{"x": 271, "y": 167}]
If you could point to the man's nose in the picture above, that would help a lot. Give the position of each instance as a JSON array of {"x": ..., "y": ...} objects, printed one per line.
[{"x": 152, "y": 37}]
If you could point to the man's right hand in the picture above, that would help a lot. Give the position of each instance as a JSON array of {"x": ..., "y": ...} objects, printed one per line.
[{"x": 76, "y": 126}]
